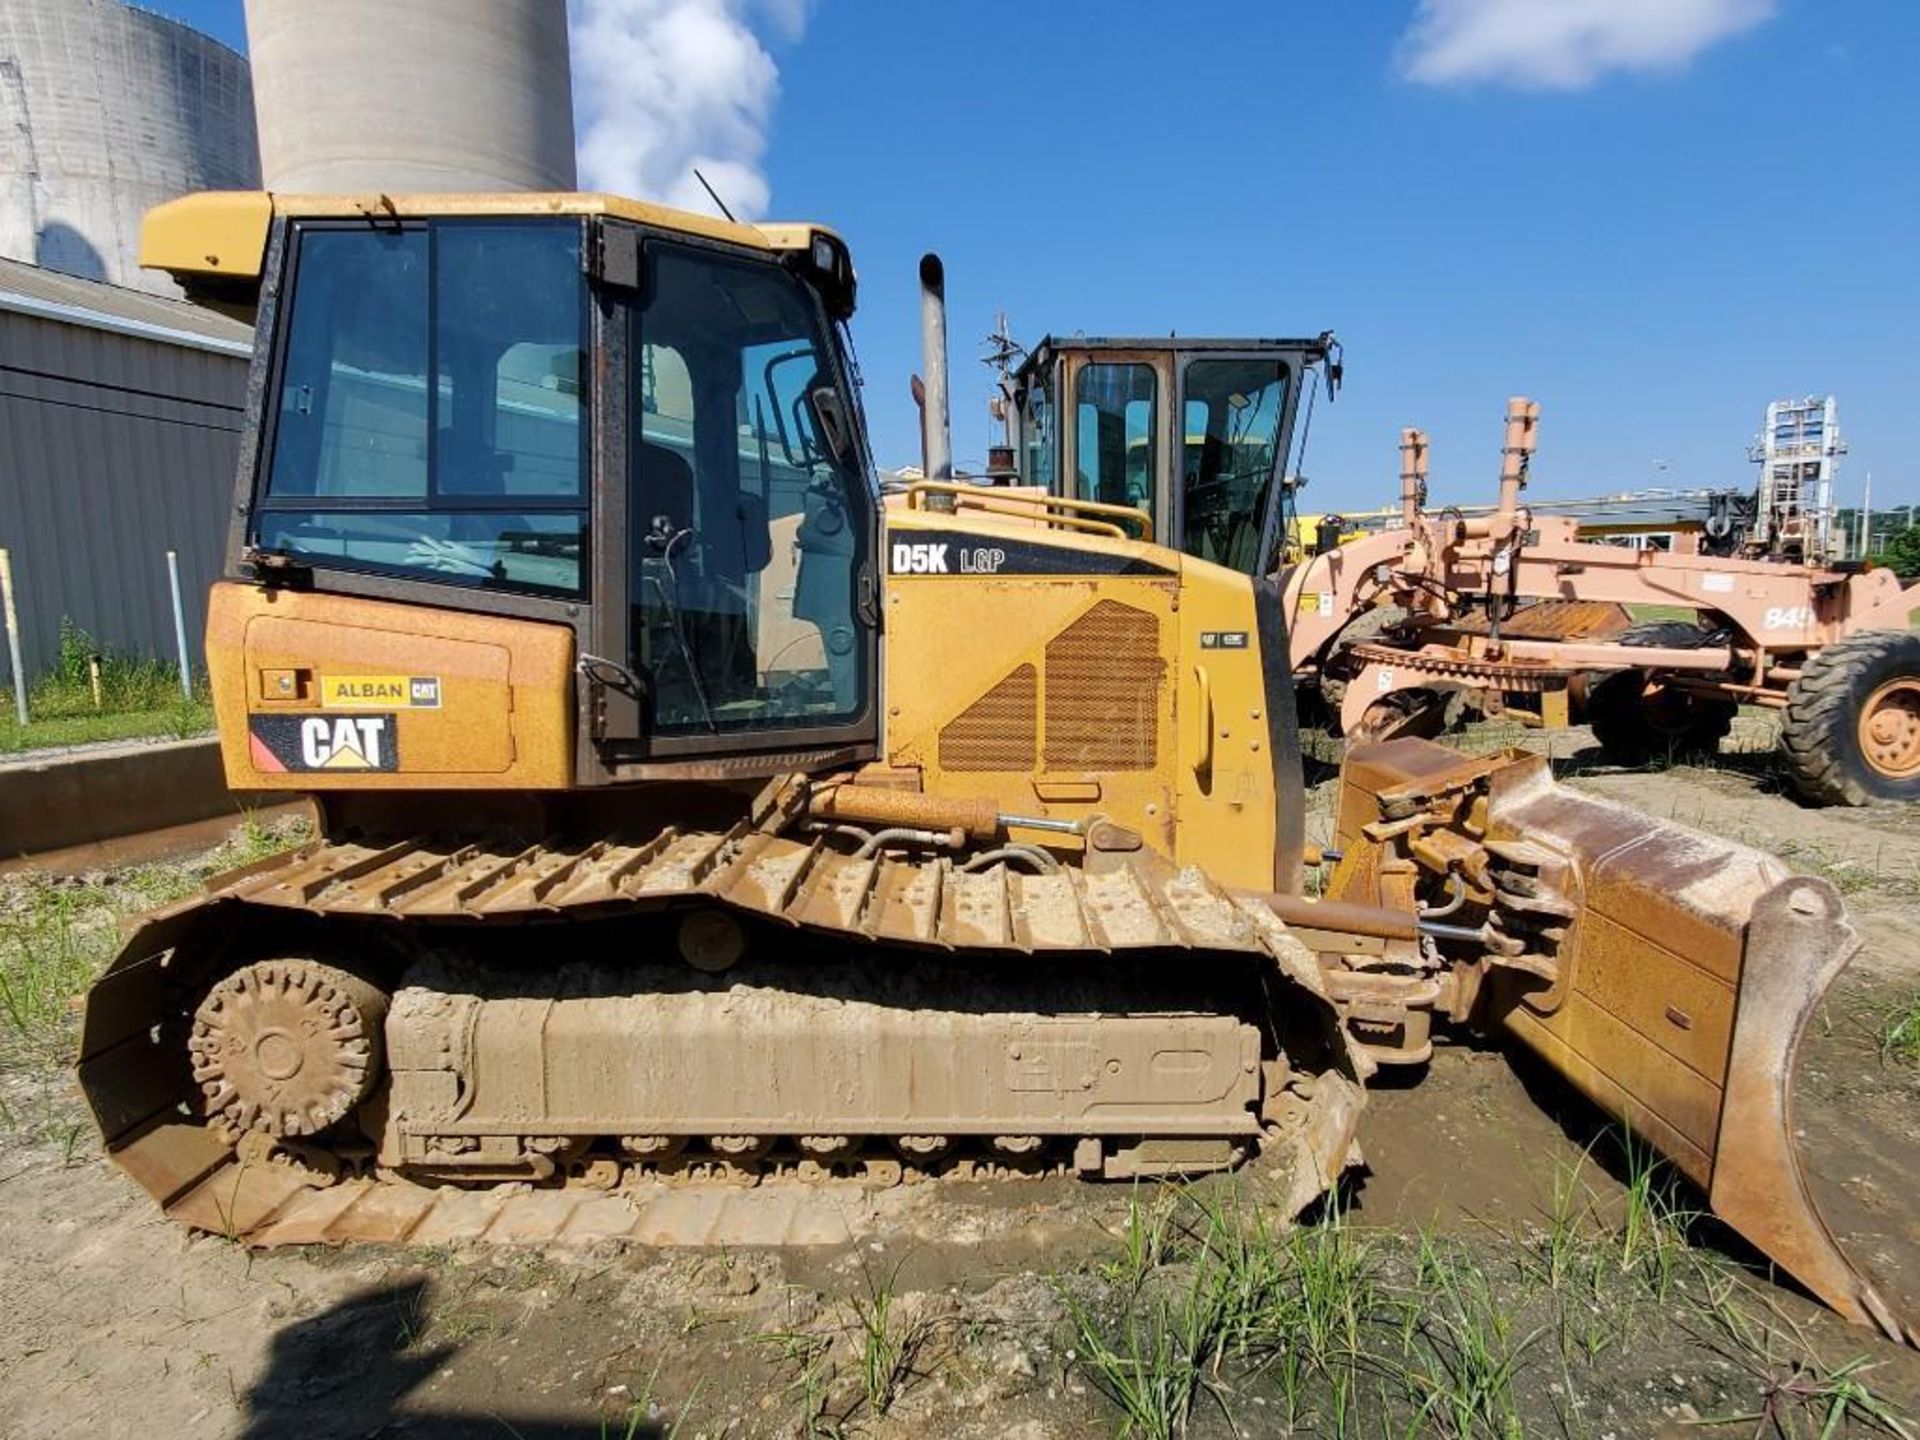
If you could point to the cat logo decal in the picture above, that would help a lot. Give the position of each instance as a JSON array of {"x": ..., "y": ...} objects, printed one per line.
[{"x": 283, "y": 744}]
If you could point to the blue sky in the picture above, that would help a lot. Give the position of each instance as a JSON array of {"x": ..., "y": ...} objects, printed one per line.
[{"x": 1652, "y": 242}]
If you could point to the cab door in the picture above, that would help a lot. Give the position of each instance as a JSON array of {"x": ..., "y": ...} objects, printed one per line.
[
  {"x": 1116, "y": 430},
  {"x": 739, "y": 522},
  {"x": 1235, "y": 428}
]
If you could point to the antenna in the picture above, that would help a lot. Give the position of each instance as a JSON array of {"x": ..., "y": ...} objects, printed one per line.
[
  {"x": 1002, "y": 351},
  {"x": 712, "y": 194},
  {"x": 1002, "y": 348}
]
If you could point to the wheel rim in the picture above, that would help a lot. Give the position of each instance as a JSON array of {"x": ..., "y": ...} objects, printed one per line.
[
  {"x": 1671, "y": 712},
  {"x": 1889, "y": 729}
]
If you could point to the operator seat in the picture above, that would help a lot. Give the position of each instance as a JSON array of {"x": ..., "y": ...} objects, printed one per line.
[
  {"x": 665, "y": 488},
  {"x": 715, "y": 631}
]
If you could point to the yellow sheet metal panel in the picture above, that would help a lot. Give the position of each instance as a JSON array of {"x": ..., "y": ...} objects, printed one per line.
[
  {"x": 1065, "y": 675},
  {"x": 1225, "y": 797},
  {"x": 222, "y": 232},
  {"x": 325, "y": 692},
  {"x": 1032, "y": 667},
  {"x": 517, "y": 203}
]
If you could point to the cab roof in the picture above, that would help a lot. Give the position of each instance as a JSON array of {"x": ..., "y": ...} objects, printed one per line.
[
  {"x": 215, "y": 242},
  {"x": 1309, "y": 348}
]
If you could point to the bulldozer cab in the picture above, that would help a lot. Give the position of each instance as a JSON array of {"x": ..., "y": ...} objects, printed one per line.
[
  {"x": 1198, "y": 433},
  {"x": 648, "y": 435}
]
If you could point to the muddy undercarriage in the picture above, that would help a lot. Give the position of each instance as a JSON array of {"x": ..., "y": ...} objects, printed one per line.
[
  {"x": 608, "y": 1016},
  {"x": 459, "y": 1035}
]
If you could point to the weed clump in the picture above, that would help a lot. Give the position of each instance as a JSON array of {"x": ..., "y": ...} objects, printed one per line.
[
  {"x": 57, "y": 932},
  {"x": 1898, "y": 1037},
  {"x": 1209, "y": 1307}
]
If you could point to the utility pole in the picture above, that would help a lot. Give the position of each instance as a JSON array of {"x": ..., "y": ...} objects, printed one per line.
[{"x": 1002, "y": 351}]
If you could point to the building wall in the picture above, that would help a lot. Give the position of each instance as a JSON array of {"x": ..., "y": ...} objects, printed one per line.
[
  {"x": 113, "y": 450},
  {"x": 108, "y": 111}
]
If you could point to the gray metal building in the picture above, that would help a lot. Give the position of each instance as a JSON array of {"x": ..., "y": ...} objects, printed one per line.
[{"x": 119, "y": 429}]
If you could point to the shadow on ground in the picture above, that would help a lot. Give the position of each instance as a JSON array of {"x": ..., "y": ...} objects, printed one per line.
[{"x": 349, "y": 1370}]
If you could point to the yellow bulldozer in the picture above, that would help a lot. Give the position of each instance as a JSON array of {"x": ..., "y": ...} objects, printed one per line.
[{"x": 686, "y": 810}]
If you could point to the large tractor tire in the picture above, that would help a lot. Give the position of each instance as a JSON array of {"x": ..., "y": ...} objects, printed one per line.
[
  {"x": 1637, "y": 719},
  {"x": 1851, "y": 732}
]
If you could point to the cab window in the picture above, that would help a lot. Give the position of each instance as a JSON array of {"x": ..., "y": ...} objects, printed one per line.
[
  {"x": 1038, "y": 433},
  {"x": 1114, "y": 433},
  {"x": 1230, "y": 457},
  {"x": 427, "y": 416},
  {"x": 745, "y": 525}
]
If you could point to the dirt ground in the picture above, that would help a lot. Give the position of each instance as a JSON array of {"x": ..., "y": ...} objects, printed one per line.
[{"x": 1489, "y": 1278}]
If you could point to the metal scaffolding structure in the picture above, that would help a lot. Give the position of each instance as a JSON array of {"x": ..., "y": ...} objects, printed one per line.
[{"x": 1799, "y": 453}]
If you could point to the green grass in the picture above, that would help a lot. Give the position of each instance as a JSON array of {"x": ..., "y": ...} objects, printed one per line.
[
  {"x": 1649, "y": 614},
  {"x": 57, "y": 932},
  {"x": 850, "y": 1366},
  {"x": 808, "y": 1360},
  {"x": 1209, "y": 1309},
  {"x": 138, "y": 699},
  {"x": 887, "y": 1344},
  {"x": 1899, "y": 1033},
  {"x": 644, "y": 1415},
  {"x": 1207, "y": 1292},
  {"x": 1797, "y": 1390},
  {"x": 181, "y": 721}
]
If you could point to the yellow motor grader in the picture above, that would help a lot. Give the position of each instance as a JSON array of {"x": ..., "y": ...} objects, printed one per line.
[{"x": 683, "y": 810}]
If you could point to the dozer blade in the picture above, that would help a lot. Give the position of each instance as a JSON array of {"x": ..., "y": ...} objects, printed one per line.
[{"x": 1684, "y": 985}]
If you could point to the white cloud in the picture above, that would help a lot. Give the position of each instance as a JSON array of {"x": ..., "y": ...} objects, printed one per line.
[
  {"x": 1564, "y": 44},
  {"x": 664, "y": 87}
]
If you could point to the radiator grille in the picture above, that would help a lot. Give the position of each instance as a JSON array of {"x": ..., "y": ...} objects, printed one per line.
[
  {"x": 997, "y": 731},
  {"x": 1103, "y": 691}
]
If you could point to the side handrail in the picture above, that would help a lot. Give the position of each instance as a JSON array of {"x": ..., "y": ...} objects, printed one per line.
[{"x": 1083, "y": 515}]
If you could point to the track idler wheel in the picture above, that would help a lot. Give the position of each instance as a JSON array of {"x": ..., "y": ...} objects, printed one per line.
[{"x": 288, "y": 1047}]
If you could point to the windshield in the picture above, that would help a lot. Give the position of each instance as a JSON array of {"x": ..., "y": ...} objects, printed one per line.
[
  {"x": 748, "y": 504},
  {"x": 427, "y": 417},
  {"x": 1233, "y": 413}
]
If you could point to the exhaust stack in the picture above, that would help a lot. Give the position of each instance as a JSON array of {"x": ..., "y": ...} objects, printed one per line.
[{"x": 937, "y": 414}]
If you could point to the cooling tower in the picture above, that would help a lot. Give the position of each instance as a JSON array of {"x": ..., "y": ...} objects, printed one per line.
[
  {"x": 425, "y": 95},
  {"x": 109, "y": 110}
]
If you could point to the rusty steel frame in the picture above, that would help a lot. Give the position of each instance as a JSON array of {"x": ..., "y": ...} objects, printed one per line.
[{"x": 1449, "y": 573}]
